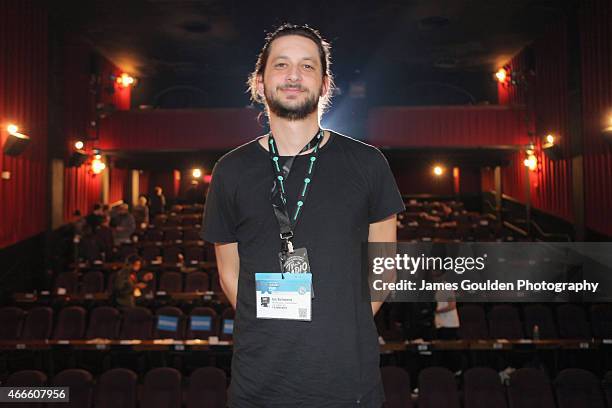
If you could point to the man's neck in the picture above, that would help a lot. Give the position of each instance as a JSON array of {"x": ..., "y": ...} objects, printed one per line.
[{"x": 292, "y": 136}]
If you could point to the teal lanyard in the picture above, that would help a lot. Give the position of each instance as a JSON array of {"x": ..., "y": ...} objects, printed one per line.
[{"x": 279, "y": 194}]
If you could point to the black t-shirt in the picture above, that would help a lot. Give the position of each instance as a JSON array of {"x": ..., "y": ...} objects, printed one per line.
[{"x": 333, "y": 360}]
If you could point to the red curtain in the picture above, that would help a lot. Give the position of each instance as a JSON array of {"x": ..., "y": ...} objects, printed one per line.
[
  {"x": 143, "y": 182},
  {"x": 82, "y": 190},
  {"x": 596, "y": 68},
  {"x": 446, "y": 126},
  {"x": 118, "y": 184},
  {"x": 23, "y": 101},
  {"x": 545, "y": 95},
  {"x": 487, "y": 179},
  {"x": 214, "y": 129}
]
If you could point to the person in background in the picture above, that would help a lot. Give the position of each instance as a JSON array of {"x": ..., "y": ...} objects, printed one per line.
[
  {"x": 141, "y": 212},
  {"x": 124, "y": 225},
  {"x": 158, "y": 202},
  {"x": 127, "y": 287},
  {"x": 94, "y": 219},
  {"x": 104, "y": 238}
]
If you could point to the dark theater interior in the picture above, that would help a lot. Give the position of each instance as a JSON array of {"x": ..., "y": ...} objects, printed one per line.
[{"x": 495, "y": 119}]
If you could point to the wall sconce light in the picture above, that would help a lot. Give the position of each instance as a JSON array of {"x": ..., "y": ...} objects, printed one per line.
[
  {"x": 196, "y": 173},
  {"x": 16, "y": 142},
  {"x": 97, "y": 165},
  {"x": 606, "y": 132},
  {"x": 438, "y": 170},
  {"x": 551, "y": 148},
  {"x": 501, "y": 75},
  {"x": 125, "y": 80},
  {"x": 531, "y": 162}
]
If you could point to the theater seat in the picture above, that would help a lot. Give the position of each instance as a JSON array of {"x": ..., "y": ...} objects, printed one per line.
[
  {"x": 171, "y": 282},
  {"x": 207, "y": 388},
  {"x": 504, "y": 323},
  {"x": 572, "y": 322},
  {"x": 11, "y": 322},
  {"x": 92, "y": 282},
  {"x": 473, "y": 323},
  {"x": 542, "y": 316},
  {"x": 38, "y": 324},
  {"x": 196, "y": 282},
  {"x": 70, "y": 323},
  {"x": 137, "y": 324},
  {"x": 577, "y": 388},
  {"x": 25, "y": 378},
  {"x": 601, "y": 321},
  {"x": 104, "y": 322},
  {"x": 170, "y": 323},
  {"x": 437, "y": 388},
  {"x": 203, "y": 322},
  {"x": 483, "y": 389},
  {"x": 80, "y": 383},
  {"x": 530, "y": 387},
  {"x": 162, "y": 388},
  {"x": 116, "y": 389},
  {"x": 396, "y": 382}
]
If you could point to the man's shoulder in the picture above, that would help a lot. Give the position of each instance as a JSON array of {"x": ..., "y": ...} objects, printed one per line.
[
  {"x": 239, "y": 155},
  {"x": 358, "y": 148}
]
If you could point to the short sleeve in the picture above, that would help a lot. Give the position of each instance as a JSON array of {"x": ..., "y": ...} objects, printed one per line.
[
  {"x": 384, "y": 199},
  {"x": 218, "y": 223}
]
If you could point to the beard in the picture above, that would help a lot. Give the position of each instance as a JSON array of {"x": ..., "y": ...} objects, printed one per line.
[{"x": 292, "y": 112}]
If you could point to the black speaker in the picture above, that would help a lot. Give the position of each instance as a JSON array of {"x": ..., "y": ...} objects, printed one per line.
[{"x": 16, "y": 144}]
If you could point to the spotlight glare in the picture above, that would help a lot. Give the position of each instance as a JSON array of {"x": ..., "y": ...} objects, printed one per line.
[
  {"x": 79, "y": 145},
  {"x": 438, "y": 170},
  {"x": 196, "y": 173},
  {"x": 12, "y": 129},
  {"x": 97, "y": 165},
  {"x": 531, "y": 162},
  {"x": 125, "y": 80}
]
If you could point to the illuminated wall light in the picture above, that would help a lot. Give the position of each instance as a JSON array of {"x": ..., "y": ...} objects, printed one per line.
[
  {"x": 97, "y": 165},
  {"x": 501, "y": 75},
  {"x": 531, "y": 162},
  {"x": 125, "y": 80},
  {"x": 16, "y": 144},
  {"x": 79, "y": 145},
  {"x": 438, "y": 170},
  {"x": 196, "y": 173},
  {"x": 12, "y": 129},
  {"x": 550, "y": 139}
]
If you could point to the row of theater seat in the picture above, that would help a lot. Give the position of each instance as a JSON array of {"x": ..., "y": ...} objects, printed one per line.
[
  {"x": 507, "y": 321},
  {"x": 107, "y": 322},
  {"x": 119, "y": 388},
  {"x": 168, "y": 252},
  {"x": 91, "y": 282},
  {"x": 437, "y": 388},
  {"x": 526, "y": 387}
]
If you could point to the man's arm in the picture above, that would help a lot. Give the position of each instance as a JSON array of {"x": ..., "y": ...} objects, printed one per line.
[
  {"x": 228, "y": 265},
  {"x": 383, "y": 231}
]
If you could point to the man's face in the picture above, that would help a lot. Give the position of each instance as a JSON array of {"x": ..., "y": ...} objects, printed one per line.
[
  {"x": 293, "y": 79},
  {"x": 136, "y": 266}
]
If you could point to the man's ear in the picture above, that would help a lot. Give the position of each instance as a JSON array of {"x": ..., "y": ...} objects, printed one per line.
[
  {"x": 260, "y": 85},
  {"x": 325, "y": 86}
]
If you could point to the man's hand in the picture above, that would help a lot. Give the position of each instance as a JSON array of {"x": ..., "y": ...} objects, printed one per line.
[{"x": 382, "y": 231}]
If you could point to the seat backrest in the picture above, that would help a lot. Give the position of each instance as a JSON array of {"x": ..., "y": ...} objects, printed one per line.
[
  {"x": 473, "y": 324},
  {"x": 104, "y": 322},
  {"x": 80, "y": 383},
  {"x": 577, "y": 388},
  {"x": 92, "y": 282},
  {"x": 207, "y": 388},
  {"x": 437, "y": 388},
  {"x": 11, "y": 322},
  {"x": 137, "y": 324},
  {"x": 70, "y": 323},
  {"x": 572, "y": 322},
  {"x": 171, "y": 282},
  {"x": 117, "y": 389},
  {"x": 483, "y": 388},
  {"x": 601, "y": 321},
  {"x": 196, "y": 282},
  {"x": 226, "y": 329},
  {"x": 504, "y": 323},
  {"x": 170, "y": 323},
  {"x": 162, "y": 388},
  {"x": 66, "y": 283},
  {"x": 530, "y": 387},
  {"x": 542, "y": 316},
  {"x": 38, "y": 324},
  {"x": 396, "y": 382},
  {"x": 203, "y": 322}
]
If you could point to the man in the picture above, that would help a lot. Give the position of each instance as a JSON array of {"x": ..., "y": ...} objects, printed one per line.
[
  {"x": 126, "y": 285},
  {"x": 158, "y": 202},
  {"x": 326, "y": 354},
  {"x": 125, "y": 225}
]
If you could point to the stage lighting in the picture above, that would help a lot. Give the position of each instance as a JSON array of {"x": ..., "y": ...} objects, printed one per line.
[
  {"x": 196, "y": 173},
  {"x": 79, "y": 145},
  {"x": 16, "y": 142},
  {"x": 438, "y": 170},
  {"x": 551, "y": 148}
]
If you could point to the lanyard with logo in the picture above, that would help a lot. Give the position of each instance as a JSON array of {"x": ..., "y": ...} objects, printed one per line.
[{"x": 291, "y": 260}]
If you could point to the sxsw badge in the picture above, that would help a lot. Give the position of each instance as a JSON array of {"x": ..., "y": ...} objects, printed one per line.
[{"x": 295, "y": 262}]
